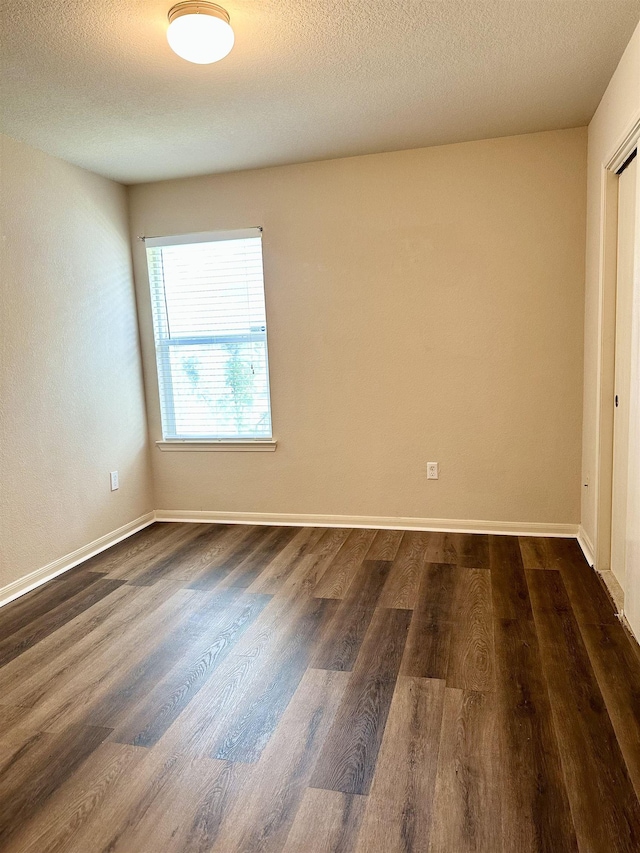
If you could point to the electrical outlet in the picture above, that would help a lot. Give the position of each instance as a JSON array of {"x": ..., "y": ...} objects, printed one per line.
[
  {"x": 432, "y": 470},
  {"x": 115, "y": 482}
]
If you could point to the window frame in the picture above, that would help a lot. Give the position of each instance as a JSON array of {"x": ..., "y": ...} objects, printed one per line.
[{"x": 164, "y": 344}]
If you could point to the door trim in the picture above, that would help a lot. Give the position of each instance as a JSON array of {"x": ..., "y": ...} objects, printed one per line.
[
  {"x": 624, "y": 149},
  {"x": 603, "y": 475}
]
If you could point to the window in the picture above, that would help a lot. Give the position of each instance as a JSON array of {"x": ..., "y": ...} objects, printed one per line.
[{"x": 207, "y": 293}]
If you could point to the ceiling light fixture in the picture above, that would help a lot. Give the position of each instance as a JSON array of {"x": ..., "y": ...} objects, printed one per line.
[{"x": 199, "y": 31}]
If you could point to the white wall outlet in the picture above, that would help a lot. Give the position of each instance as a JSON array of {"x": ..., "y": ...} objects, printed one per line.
[
  {"x": 432, "y": 470},
  {"x": 115, "y": 482}
]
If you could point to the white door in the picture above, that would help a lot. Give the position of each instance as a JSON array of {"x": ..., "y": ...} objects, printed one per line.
[
  {"x": 624, "y": 314},
  {"x": 632, "y": 569}
]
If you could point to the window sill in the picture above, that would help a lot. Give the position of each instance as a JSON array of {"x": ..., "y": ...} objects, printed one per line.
[{"x": 188, "y": 445}]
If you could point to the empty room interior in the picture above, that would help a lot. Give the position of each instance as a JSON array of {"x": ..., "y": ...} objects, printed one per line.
[{"x": 320, "y": 426}]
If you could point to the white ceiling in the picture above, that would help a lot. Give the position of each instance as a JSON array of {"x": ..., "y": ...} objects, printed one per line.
[{"x": 94, "y": 81}]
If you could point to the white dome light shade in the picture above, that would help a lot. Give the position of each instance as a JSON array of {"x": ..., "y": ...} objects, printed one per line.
[{"x": 199, "y": 31}]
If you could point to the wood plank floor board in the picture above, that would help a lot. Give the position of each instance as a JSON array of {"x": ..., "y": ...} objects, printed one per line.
[
  {"x": 427, "y": 650},
  {"x": 264, "y": 815},
  {"x": 175, "y": 804},
  {"x": 195, "y": 729},
  {"x": 616, "y": 665},
  {"x": 133, "y": 562},
  {"x": 304, "y": 578},
  {"x": 140, "y": 673},
  {"x": 472, "y": 550},
  {"x": 309, "y": 570},
  {"x": 401, "y": 589},
  {"x": 451, "y": 634},
  {"x": 271, "y": 544},
  {"x": 508, "y": 582},
  {"x": 587, "y": 594},
  {"x": 149, "y": 718},
  {"x": 224, "y": 785},
  {"x": 326, "y": 822},
  {"x": 46, "y": 667},
  {"x": 605, "y": 807},
  {"x": 536, "y": 816},
  {"x": 441, "y": 548},
  {"x": 343, "y": 637},
  {"x": 182, "y": 637},
  {"x": 257, "y": 716},
  {"x": 58, "y": 825},
  {"x": 538, "y": 552},
  {"x": 134, "y": 550},
  {"x": 37, "y": 768},
  {"x": 276, "y": 572},
  {"x": 348, "y": 760},
  {"x": 467, "y": 805},
  {"x": 385, "y": 545},
  {"x": 129, "y": 800},
  {"x": 77, "y": 697},
  {"x": 331, "y": 540},
  {"x": 22, "y": 612},
  {"x": 35, "y": 631},
  {"x": 238, "y": 545},
  {"x": 253, "y": 689},
  {"x": 184, "y": 561},
  {"x": 399, "y": 811},
  {"x": 267, "y": 661},
  {"x": 471, "y": 652},
  {"x": 14, "y": 728},
  {"x": 336, "y": 580}
]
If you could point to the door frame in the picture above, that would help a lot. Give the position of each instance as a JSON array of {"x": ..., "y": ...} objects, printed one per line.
[{"x": 603, "y": 475}]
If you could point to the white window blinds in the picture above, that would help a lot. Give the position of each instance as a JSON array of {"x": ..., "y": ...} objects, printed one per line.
[{"x": 210, "y": 329}]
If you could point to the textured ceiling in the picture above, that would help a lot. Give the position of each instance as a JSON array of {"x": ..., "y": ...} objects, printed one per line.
[{"x": 96, "y": 83}]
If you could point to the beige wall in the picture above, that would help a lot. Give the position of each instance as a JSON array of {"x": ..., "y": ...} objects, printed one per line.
[
  {"x": 619, "y": 109},
  {"x": 70, "y": 378},
  {"x": 422, "y": 306}
]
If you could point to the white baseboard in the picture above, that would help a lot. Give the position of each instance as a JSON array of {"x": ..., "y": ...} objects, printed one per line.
[
  {"x": 626, "y": 624},
  {"x": 63, "y": 564},
  {"x": 444, "y": 525},
  {"x": 587, "y": 547}
]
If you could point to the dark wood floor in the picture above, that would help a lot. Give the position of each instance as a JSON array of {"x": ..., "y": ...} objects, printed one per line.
[{"x": 244, "y": 689}]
